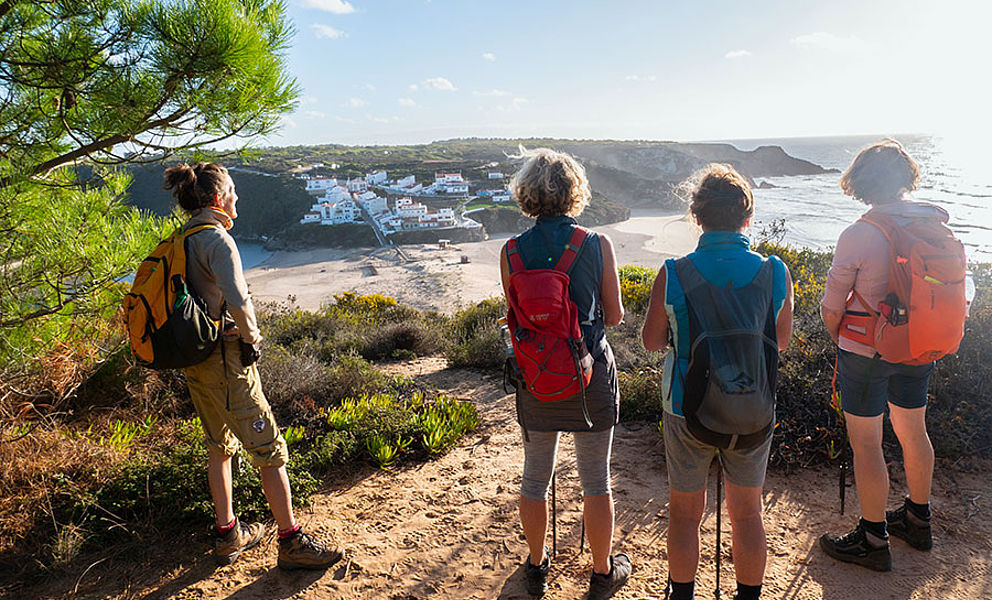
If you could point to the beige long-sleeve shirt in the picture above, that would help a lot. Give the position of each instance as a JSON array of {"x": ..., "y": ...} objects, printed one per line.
[{"x": 213, "y": 269}]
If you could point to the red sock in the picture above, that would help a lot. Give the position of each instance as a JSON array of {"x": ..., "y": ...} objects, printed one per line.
[
  {"x": 222, "y": 529},
  {"x": 285, "y": 534}
]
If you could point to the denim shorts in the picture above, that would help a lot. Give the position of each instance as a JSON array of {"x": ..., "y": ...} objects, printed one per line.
[{"x": 866, "y": 384}]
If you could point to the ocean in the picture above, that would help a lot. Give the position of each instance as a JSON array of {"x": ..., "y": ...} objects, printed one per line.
[{"x": 816, "y": 211}]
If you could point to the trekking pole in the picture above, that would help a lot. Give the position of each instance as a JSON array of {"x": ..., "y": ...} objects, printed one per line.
[
  {"x": 719, "y": 502},
  {"x": 554, "y": 513}
]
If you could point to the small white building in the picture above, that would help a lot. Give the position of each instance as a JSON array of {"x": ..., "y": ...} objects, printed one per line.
[
  {"x": 373, "y": 205},
  {"x": 501, "y": 196},
  {"x": 495, "y": 175},
  {"x": 376, "y": 178},
  {"x": 407, "y": 208},
  {"x": 357, "y": 185},
  {"x": 406, "y": 181},
  {"x": 319, "y": 185}
]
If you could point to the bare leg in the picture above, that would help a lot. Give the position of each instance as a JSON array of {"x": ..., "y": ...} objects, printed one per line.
[
  {"x": 685, "y": 511},
  {"x": 534, "y": 519},
  {"x": 911, "y": 428},
  {"x": 219, "y": 478},
  {"x": 275, "y": 484},
  {"x": 870, "y": 474},
  {"x": 598, "y": 515},
  {"x": 744, "y": 506}
]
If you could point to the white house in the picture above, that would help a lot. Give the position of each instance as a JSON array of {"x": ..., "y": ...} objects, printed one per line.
[
  {"x": 373, "y": 205},
  {"x": 319, "y": 185},
  {"x": 501, "y": 196},
  {"x": 495, "y": 175},
  {"x": 407, "y": 208},
  {"x": 376, "y": 178},
  {"x": 357, "y": 185}
]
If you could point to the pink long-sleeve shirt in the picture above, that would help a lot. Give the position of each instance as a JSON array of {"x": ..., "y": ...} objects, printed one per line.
[{"x": 861, "y": 264}]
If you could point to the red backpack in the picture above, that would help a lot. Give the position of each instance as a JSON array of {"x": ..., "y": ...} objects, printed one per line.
[
  {"x": 921, "y": 319},
  {"x": 551, "y": 355}
]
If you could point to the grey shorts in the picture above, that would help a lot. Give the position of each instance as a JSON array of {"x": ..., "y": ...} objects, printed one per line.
[
  {"x": 592, "y": 456},
  {"x": 688, "y": 459}
]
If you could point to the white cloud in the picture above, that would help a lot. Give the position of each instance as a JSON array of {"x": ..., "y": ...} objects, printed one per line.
[
  {"x": 314, "y": 114},
  {"x": 382, "y": 119},
  {"x": 308, "y": 100},
  {"x": 640, "y": 78},
  {"x": 368, "y": 86},
  {"x": 737, "y": 54},
  {"x": 343, "y": 119},
  {"x": 493, "y": 92},
  {"x": 489, "y": 56},
  {"x": 355, "y": 103},
  {"x": 821, "y": 40},
  {"x": 413, "y": 87},
  {"x": 408, "y": 102},
  {"x": 338, "y": 7},
  {"x": 438, "y": 83},
  {"x": 326, "y": 31},
  {"x": 285, "y": 121}
]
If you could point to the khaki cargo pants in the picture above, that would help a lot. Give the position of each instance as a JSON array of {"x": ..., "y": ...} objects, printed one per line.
[{"x": 232, "y": 408}]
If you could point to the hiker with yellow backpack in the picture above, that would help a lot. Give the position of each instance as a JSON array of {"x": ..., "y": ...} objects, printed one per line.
[
  {"x": 894, "y": 303},
  {"x": 189, "y": 308}
]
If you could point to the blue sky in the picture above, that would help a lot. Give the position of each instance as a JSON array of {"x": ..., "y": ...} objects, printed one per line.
[{"x": 412, "y": 71}]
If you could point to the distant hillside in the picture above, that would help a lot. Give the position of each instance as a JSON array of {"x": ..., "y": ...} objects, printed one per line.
[
  {"x": 622, "y": 174},
  {"x": 628, "y": 172}
]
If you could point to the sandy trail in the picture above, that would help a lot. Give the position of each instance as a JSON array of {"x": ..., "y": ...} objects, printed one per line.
[{"x": 449, "y": 529}]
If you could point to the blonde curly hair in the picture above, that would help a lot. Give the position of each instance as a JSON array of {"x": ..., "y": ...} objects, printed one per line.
[{"x": 550, "y": 183}]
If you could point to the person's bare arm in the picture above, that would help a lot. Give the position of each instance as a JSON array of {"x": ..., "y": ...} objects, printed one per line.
[
  {"x": 610, "y": 288},
  {"x": 654, "y": 334},
  {"x": 504, "y": 272},
  {"x": 831, "y": 320},
  {"x": 783, "y": 326}
]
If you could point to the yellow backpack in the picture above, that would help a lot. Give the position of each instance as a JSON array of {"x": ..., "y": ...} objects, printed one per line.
[{"x": 168, "y": 325}]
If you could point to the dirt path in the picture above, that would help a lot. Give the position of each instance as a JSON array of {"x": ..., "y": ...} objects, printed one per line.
[{"x": 449, "y": 529}]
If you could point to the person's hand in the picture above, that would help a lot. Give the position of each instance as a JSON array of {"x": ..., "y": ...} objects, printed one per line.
[{"x": 250, "y": 353}]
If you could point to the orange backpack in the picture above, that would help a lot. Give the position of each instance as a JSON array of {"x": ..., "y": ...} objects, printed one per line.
[
  {"x": 921, "y": 319},
  {"x": 167, "y": 323}
]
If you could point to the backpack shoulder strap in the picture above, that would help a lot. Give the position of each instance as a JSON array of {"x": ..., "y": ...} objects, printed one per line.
[
  {"x": 572, "y": 248},
  {"x": 513, "y": 259}
]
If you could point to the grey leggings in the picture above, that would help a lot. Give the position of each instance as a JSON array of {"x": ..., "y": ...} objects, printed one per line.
[{"x": 592, "y": 454}]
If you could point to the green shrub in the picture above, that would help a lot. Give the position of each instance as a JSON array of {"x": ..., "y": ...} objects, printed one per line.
[
  {"x": 474, "y": 335},
  {"x": 403, "y": 340},
  {"x": 640, "y": 395}
]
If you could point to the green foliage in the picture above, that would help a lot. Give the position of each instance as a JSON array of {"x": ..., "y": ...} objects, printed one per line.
[
  {"x": 635, "y": 287},
  {"x": 474, "y": 336},
  {"x": 640, "y": 394},
  {"x": 109, "y": 82}
]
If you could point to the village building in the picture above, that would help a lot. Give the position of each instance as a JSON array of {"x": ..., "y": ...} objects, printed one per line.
[
  {"x": 376, "y": 178},
  {"x": 495, "y": 175},
  {"x": 448, "y": 184},
  {"x": 318, "y": 186}
]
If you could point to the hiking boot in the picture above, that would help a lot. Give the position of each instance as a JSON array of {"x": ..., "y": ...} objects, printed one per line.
[
  {"x": 603, "y": 586},
  {"x": 303, "y": 552},
  {"x": 856, "y": 547},
  {"x": 905, "y": 525},
  {"x": 536, "y": 576},
  {"x": 241, "y": 537}
]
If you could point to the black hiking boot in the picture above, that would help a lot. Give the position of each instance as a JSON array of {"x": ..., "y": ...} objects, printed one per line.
[
  {"x": 905, "y": 525},
  {"x": 303, "y": 552},
  {"x": 536, "y": 576},
  {"x": 604, "y": 586},
  {"x": 859, "y": 547}
]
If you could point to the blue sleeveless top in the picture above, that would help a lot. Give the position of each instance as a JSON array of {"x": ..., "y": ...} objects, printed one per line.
[
  {"x": 724, "y": 259},
  {"x": 542, "y": 245}
]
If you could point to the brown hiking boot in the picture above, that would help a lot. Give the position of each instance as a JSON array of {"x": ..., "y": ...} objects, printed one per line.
[
  {"x": 243, "y": 536},
  {"x": 303, "y": 552}
]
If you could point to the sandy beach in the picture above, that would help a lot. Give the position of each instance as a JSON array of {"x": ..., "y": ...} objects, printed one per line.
[{"x": 431, "y": 278}]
